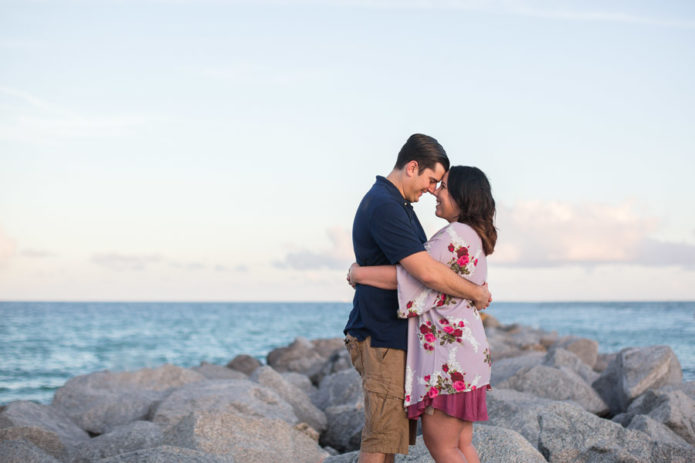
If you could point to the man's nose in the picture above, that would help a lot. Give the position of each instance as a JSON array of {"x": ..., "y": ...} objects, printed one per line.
[{"x": 433, "y": 189}]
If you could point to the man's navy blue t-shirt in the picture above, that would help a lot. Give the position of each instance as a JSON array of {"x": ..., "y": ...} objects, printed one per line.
[{"x": 385, "y": 231}]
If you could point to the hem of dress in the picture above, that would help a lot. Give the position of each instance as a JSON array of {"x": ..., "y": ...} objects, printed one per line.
[{"x": 465, "y": 405}]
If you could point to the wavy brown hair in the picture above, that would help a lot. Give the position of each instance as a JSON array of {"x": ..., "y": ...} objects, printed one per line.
[{"x": 470, "y": 189}]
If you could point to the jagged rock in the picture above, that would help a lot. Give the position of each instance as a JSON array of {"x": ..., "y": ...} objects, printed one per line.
[
  {"x": 122, "y": 439},
  {"x": 299, "y": 356},
  {"x": 100, "y": 401},
  {"x": 342, "y": 388},
  {"x": 674, "y": 409},
  {"x": 244, "y": 363},
  {"x": 300, "y": 381},
  {"x": 557, "y": 384},
  {"x": 345, "y": 423},
  {"x": 168, "y": 454},
  {"x": 584, "y": 348},
  {"x": 328, "y": 346},
  {"x": 570, "y": 434},
  {"x": 507, "y": 367},
  {"x": 500, "y": 349},
  {"x": 212, "y": 371},
  {"x": 305, "y": 411},
  {"x": 560, "y": 357},
  {"x": 688, "y": 388},
  {"x": 603, "y": 360},
  {"x": 525, "y": 338},
  {"x": 339, "y": 360},
  {"x": 29, "y": 414},
  {"x": 244, "y": 396},
  {"x": 635, "y": 370},
  {"x": 548, "y": 339},
  {"x": 21, "y": 451},
  {"x": 47, "y": 441},
  {"x": 655, "y": 430},
  {"x": 490, "y": 322},
  {"x": 247, "y": 439},
  {"x": 517, "y": 411}
]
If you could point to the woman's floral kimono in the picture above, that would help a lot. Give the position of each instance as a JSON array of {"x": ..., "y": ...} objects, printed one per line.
[{"x": 448, "y": 353}]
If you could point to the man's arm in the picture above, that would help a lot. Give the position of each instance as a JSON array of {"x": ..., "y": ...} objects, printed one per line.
[
  {"x": 439, "y": 277},
  {"x": 380, "y": 276}
]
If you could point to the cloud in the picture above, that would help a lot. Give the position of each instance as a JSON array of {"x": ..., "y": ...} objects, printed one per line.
[
  {"x": 36, "y": 253},
  {"x": 120, "y": 262},
  {"x": 336, "y": 257},
  {"x": 552, "y": 233},
  {"x": 8, "y": 247}
]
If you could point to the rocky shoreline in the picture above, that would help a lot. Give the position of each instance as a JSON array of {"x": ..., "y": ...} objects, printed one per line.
[{"x": 554, "y": 399}]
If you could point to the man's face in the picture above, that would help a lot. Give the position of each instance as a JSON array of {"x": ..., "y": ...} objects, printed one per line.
[{"x": 419, "y": 183}]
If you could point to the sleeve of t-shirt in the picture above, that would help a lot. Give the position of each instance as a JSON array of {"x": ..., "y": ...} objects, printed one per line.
[{"x": 393, "y": 232}]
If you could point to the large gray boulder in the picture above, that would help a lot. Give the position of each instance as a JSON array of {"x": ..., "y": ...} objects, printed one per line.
[
  {"x": 560, "y": 357},
  {"x": 21, "y": 451},
  {"x": 240, "y": 395},
  {"x": 23, "y": 413},
  {"x": 603, "y": 360},
  {"x": 655, "y": 430},
  {"x": 122, "y": 439},
  {"x": 339, "y": 360},
  {"x": 557, "y": 384},
  {"x": 305, "y": 411},
  {"x": 570, "y": 434},
  {"x": 345, "y": 423},
  {"x": 212, "y": 371},
  {"x": 300, "y": 357},
  {"x": 635, "y": 370},
  {"x": 248, "y": 439},
  {"x": 673, "y": 409},
  {"x": 501, "y": 349},
  {"x": 244, "y": 363},
  {"x": 300, "y": 381},
  {"x": 507, "y": 367},
  {"x": 46, "y": 441},
  {"x": 517, "y": 411},
  {"x": 98, "y": 402},
  {"x": 584, "y": 348},
  {"x": 326, "y": 347},
  {"x": 342, "y": 388},
  {"x": 168, "y": 454}
]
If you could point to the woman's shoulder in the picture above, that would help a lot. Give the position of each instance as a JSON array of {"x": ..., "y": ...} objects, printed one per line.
[{"x": 464, "y": 232}]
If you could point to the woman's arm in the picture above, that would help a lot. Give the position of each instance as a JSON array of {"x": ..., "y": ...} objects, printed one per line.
[{"x": 380, "y": 276}]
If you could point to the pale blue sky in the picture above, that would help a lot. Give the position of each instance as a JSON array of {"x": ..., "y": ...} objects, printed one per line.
[{"x": 216, "y": 150}]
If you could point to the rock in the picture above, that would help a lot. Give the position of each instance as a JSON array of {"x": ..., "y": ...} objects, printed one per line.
[
  {"x": 501, "y": 349},
  {"x": 556, "y": 384},
  {"x": 122, "y": 439},
  {"x": 300, "y": 381},
  {"x": 46, "y": 441},
  {"x": 299, "y": 356},
  {"x": 655, "y": 430},
  {"x": 301, "y": 404},
  {"x": 338, "y": 361},
  {"x": 29, "y": 414},
  {"x": 248, "y": 439},
  {"x": 635, "y": 370},
  {"x": 489, "y": 321},
  {"x": 674, "y": 409},
  {"x": 100, "y": 401},
  {"x": 328, "y": 346},
  {"x": 548, "y": 339},
  {"x": 168, "y": 454},
  {"x": 21, "y": 451},
  {"x": 211, "y": 371},
  {"x": 517, "y": 411},
  {"x": 688, "y": 388},
  {"x": 243, "y": 396},
  {"x": 570, "y": 434},
  {"x": 244, "y": 363},
  {"x": 345, "y": 423},
  {"x": 525, "y": 338},
  {"x": 507, "y": 367},
  {"x": 350, "y": 457},
  {"x": 560, "y": 357},
  {"x": 584, "y": 348},
  {"x": 499, "y": 445},
  {"x": 342, "y": 388},
  {"x": 603, "y": 360}
]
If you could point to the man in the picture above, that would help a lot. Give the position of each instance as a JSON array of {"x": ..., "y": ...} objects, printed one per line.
[{"x": 386, "y": 231}]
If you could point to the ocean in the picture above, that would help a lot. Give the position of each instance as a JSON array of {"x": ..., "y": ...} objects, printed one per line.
[{"x": 43, "y": 344}]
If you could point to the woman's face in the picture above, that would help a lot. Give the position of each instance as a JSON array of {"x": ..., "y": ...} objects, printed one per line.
[{"x": 446, "y": 207}]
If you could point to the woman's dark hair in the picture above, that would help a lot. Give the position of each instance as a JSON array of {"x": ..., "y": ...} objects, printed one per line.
[
  {"x": 425, "y": 150},
  {"x": 470, "y": 189}
]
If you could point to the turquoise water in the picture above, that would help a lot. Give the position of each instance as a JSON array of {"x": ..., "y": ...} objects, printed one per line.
[{"x": 43, "y": 344}]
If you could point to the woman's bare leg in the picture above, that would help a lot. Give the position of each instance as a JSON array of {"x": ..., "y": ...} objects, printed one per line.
[
  {"x": 466, "y": 443},
  {"x": 442, "y": 435}
]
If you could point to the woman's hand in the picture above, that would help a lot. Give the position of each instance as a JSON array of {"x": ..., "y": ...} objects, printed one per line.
[{"x": 484, "y": 297}]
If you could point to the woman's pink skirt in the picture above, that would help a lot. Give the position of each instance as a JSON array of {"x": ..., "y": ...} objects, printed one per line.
[{"x": 466, "y": 406}]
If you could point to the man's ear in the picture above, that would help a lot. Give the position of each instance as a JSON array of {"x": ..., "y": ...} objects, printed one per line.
[{"x": 412, "y": 169}]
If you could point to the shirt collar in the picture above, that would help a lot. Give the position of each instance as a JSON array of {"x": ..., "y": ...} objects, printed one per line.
[{"x": 391, "y": 188}]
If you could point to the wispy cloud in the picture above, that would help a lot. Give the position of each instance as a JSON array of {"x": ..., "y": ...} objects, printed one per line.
[
  {"x": 336, "y": 257},
  {"x": 543, "y": 234},
  {"x": 121, "y": 262},
  {"x": 36, "y": 253},
  {"x": 8, "y": 247}
]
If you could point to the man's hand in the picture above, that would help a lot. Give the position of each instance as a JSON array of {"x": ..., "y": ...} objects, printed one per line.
[
  {"x": 350, "y": 279},
  {"x": 484, "y": 297}
]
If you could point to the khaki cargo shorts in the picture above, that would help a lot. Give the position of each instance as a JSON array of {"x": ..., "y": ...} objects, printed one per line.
[{"x": 387, "y": 428}]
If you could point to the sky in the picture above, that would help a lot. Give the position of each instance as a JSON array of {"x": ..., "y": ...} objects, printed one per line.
[{"x": 217, "y": 150}]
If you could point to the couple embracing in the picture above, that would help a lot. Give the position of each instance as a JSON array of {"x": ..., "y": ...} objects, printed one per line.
[{"x": 415, "y": 334}]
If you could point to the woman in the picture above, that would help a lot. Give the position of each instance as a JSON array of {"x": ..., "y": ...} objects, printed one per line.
[{"x": 448, "y": 366}]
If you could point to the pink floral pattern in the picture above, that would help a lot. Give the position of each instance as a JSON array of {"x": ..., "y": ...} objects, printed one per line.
[{"x": 448, "y": 351}]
